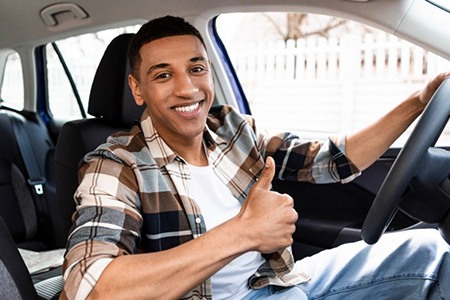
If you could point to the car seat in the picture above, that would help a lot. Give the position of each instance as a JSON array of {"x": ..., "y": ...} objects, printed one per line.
[
  {"x": 32, "y": 219},
  {"x": 113, "y": 107},
  {"x": 15, "y": 280}
]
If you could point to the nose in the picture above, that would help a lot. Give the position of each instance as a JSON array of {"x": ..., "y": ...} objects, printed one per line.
[{"x": 185, "y": 86}]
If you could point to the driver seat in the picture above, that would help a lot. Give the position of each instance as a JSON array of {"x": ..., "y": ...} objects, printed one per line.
[{"x": 113, "y": 107}]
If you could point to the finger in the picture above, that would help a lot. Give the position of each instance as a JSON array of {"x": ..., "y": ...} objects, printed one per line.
[
  {"x": 428, "y": 91},
  {"x": 267, "y": 174},
  {"x": 289, "y": 199}
]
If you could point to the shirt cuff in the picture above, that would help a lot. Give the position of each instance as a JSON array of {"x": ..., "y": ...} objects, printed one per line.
[{"x": 345, "y": 168}]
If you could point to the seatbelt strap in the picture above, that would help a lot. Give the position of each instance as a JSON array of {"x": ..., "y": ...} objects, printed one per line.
[
  {"x": 35, "y": 179},
  {"x": 48, "y": 221}
]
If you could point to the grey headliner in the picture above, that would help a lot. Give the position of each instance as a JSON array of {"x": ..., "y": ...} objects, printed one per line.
[{"x": 21, "y": 23}]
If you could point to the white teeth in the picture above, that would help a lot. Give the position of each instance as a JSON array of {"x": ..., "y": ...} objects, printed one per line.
[{"x": 189, "y": 108}]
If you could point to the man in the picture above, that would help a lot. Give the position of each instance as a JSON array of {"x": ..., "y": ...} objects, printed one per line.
[{"x": 188, "y": 194}]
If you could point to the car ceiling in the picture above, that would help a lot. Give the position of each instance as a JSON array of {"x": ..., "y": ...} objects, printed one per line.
[{"x": 21, "y": 22}]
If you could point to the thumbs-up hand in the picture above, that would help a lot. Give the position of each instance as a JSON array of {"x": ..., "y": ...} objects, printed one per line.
[{"x": 268, "y": 217}]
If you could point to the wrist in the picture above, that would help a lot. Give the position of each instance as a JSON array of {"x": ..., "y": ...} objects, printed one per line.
[
  {"x": 416, "y": 104},
  {"x": 245, "y": 235}
]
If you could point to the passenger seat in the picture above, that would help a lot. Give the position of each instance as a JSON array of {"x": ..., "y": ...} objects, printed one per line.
[
  {"x": 14, "y": 277},
  {"x": 15, "y": 280}
]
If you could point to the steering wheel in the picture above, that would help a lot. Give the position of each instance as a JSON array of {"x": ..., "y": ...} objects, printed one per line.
[{"x": 417, "y": 155}]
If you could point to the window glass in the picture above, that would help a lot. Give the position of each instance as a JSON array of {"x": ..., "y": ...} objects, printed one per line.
[
  {"x": 82, "y": 55},
  {"x": 12, "y": 89},
  {"x": 319, "y": 75}
]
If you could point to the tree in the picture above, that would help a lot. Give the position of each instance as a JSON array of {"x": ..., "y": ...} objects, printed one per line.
[{"x": 299, "y": 25}]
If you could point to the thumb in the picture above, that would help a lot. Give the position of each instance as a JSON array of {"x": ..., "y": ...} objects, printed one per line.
[{"x": 267, "y": 174}]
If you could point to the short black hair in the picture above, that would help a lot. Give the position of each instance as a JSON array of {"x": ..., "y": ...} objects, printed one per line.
[{"x": 156, "y": 29}]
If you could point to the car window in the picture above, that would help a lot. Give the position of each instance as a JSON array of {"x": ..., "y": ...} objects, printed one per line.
[
  {"x": 82, "y": 55},
  {"x": 12, "y": 89},
  {"x": 320, "y": 75}
]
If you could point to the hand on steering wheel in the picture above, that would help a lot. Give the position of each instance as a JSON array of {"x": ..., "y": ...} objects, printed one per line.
[{"x": 417, "y": 153}]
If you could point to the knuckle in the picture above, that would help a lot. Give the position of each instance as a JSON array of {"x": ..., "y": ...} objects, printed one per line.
[
  {"x": 293, "y": 229},
  {"x": 289, "y": 241},
  {"x": 289, "y": 199}
]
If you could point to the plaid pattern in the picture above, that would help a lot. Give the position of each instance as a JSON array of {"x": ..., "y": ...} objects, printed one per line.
[{"x": 134, "y": 194}]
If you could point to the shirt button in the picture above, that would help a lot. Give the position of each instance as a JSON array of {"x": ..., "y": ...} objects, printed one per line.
[{"x": 198, "y": 220}]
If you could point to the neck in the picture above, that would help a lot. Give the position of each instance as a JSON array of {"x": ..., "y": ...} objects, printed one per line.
[{"x": 191, "y": 151}]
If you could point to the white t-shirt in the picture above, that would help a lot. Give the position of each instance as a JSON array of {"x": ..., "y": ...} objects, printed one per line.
[{"x": 218, "y": 205}]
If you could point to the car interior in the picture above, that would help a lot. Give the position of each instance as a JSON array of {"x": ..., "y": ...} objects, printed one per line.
[{"x": 40, "y": 150}]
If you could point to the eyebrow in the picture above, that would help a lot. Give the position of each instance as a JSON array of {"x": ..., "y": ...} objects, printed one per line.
[
  {"x": 157, "y": 66},
  {"x": 165, "y": 65},
  {"x": 197, "y": 58}
]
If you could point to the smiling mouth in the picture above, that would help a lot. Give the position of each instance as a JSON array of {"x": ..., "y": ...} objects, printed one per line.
[{"x": 187, "y": 109}]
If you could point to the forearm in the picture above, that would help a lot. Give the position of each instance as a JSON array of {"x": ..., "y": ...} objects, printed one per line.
[
  {"x": 172, "y": 273},
  {"x": 365, "y": 146}
]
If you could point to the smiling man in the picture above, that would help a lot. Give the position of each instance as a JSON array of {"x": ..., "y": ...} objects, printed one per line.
[
  {"x": 180, "y": 206},
  {"x": 174, "y": 80}
]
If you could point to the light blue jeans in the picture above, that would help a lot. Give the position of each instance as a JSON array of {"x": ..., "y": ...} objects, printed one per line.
[{"x": 412, "y": 264}]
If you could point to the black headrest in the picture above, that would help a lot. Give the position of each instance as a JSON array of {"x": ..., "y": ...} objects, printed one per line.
[{"x": 111, "y": 98}]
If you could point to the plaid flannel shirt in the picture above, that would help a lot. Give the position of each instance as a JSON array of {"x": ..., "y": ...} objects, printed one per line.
[{"x": 134, "y": 195}]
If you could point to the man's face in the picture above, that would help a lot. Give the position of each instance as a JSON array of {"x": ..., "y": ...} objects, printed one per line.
[{"x": 175, "y": 81}]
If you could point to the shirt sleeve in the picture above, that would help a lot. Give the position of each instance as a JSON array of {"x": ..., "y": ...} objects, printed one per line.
[
  {"x": 106, "y": 224},
  {"x": 315, "y": 161}
]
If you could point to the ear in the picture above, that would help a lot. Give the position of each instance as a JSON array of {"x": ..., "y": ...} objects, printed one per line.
[{"x": 135, "y": 90}]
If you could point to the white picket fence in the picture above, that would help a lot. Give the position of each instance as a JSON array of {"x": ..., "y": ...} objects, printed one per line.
[
  {"x": 330, "y": 86},
  {"x": 316, "y": 58}
]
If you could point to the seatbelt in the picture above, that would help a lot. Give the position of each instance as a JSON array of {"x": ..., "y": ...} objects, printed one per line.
[
  {"x": 35, "y": 179},
  {"x": 48, "y": 221}
]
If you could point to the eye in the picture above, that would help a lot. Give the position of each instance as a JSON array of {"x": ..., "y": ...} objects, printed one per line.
[
  {"x": 162, "y": 76},
  {"x": 198, "y": 69}
]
